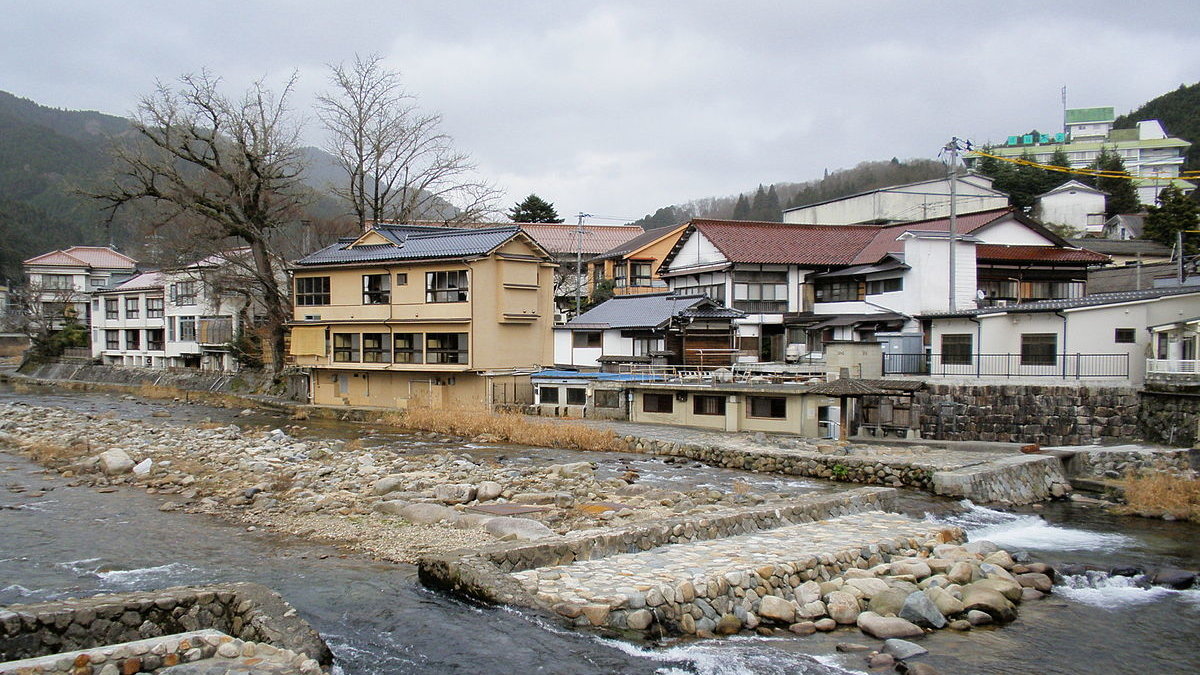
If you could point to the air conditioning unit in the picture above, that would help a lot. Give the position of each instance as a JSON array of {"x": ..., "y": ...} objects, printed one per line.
[{"x": 312, "y": 317}]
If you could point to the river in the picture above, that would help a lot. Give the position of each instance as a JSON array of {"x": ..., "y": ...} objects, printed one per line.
[{"x": 379, "y": 620}]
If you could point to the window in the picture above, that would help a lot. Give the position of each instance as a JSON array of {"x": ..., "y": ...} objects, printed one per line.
[
  {"x": 619, "y": 273},
  {"x": 838, "y": 291},
  {"x": 576, "y": 396},
  {"x": 345, "y": 347},
  {"x": 770, "y": 407},
  {"x": 1125, "y": 336},
  {"x": 154, "y": 308},
  {"x": 111, "y": 312},
  {"x": 132, "y": 306},
  {"x": 112, "y": 339},
  {"x": 708, "y": 405},
  {"x": 375, "y": 348},
  {"x": 57, "y": 282},
  {"x": 583, "y": 339},
  {"x": 312, "y": 291},
  {"x": 956, "y": 349},
  {"x": 885, "y": 286},
  {"x": 406, "y": 348},
  {"x": 760, "y": 291},
  {"x": 446, "y": 347},
  {"x": 377, "y": 289},
  {"x": 133, "y": 339},
  {"x": 640, "y": 273},
  {"x": 183, "y": 293},
  {"x": 657, "y": 403},
  {"x": 606, "y": 398},
  {"x": 712, "y": 285},
  {"x": 548, "y": 394},
  {"x": 187, "y": 329},
  {"x": 1163, "y": 348},
  {"x": 1039, "y": 349},
  {"x": 643, "y": 346},
  {"x": 402, "y": 278},
  {"x": 171, "y": 328},
  {"x": 446, "y": 286},
  {"x": 154, "y": 340}
]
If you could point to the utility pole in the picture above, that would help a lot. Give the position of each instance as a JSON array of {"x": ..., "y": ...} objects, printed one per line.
[
  {"x": 952, "y": 149},
  {"x": 579, "y": 260}
]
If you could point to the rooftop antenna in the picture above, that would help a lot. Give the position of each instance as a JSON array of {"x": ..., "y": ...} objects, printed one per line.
[
  {"x": 579, "y": 260},
  {"x": 1064, "y": 100}
]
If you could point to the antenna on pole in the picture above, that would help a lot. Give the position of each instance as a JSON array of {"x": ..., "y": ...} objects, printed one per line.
[
  {"x": 1064, "y": 100},
  {"x": 579, "y": 260},
  {"x": 952, "y": 149}
]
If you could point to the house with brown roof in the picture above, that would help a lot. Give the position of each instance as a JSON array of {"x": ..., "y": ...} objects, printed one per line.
[
  {"x": 59, "y": 282},
  {"x": 806, "y": 285},
  {"x": 633, "y": 266}
]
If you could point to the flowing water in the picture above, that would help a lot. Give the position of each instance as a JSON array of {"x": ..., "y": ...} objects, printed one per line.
[{"x": 379, "y": 620}]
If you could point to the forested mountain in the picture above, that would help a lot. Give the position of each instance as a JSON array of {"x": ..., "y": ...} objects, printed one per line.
[
  {"x": 767, "y": 203},
  {"x": 1179, "y": 112}
]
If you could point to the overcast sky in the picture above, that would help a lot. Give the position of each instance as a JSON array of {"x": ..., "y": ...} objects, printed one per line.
[{"x": 618, "y": 108}]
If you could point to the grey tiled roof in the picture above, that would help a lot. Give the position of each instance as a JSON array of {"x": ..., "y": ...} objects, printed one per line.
[
  {"x": 651, "y": 310},
  {"x": 414, "y": 243},
  {"x": 1072, "y": 303}
]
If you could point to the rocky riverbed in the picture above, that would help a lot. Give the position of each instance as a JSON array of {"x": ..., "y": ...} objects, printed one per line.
[{"x": 393, "y": 502}]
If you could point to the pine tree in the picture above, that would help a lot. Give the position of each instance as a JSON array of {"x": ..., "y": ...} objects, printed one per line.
[
  {"x": 1175, "y": 213},
  {"x": 1122, "y": 196},
  {"x": 741, "y": 210},
  {"x": 772, "y": 210},
  {"x": 759, "y": 204},
  {"x": 534, "y": 209}
]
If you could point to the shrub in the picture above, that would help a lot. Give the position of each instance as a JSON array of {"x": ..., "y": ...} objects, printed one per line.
[{"x": 1162, "y": 493}]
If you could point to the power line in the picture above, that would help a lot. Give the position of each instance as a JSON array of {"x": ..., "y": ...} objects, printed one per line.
[{"x": 1184, "y": 175}]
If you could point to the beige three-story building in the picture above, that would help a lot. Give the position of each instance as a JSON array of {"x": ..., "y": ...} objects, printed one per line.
[{"x": 409, "y": 315}]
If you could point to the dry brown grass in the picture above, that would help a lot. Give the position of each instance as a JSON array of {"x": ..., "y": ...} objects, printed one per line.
[
  {"x": 156, "y": 391},
  {"x": 507, "y": 427},
  {"x": 53, "y": 454},
  {"x": 1163, "y": 493}
]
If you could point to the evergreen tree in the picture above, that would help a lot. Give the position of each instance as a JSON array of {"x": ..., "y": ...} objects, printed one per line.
[
  {"x": 1174, "y": 213},
  {"x": 1122, "y": 196},
  {"x": 759, "y": 204},
  {"x": 772, "y": 210},
  {"x": 741, "y": 210},
  {"x": 534, "y": 209}
]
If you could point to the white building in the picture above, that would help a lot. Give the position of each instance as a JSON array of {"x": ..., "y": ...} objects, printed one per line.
[
  {"x": 61, "y": 282},
  {"x": 206, "y": 305},
  {"x": 902, "y": 203},
  {"x": 128, "y": 324},
  {"x": 1073, "y": 204}
]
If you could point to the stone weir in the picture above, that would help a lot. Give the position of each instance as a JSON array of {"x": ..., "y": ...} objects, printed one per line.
[
  {"x": 984, "y": 477},
  {"x": 92, "y": 627},
  {"x": 683, "y": 575}
]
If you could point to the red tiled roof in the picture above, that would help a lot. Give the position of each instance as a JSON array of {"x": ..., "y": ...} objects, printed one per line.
[
  {"x": 86, "y": 256},
  {"x": 1002, "y": 253},
  {"x": 757, "y": 242},
  {"x": 562, "y": 238},
  {"x": 886, "y": 240}
]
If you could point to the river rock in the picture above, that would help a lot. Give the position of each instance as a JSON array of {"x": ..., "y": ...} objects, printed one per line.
[
  {"x": 1009, "y": 589},
  {"x": 115, "y": 461},
  {"x": 1031, "y": 594},
  {"x": 842, "y": 607},
  {"x": 517, "y": 528},
  {"x": 916, "y": 568},
  {"x": 387, "y": 484},
  {"x": 639, "y": 619},
  {"x": 572, "y": 470},
  {"x": 918, "y": 668},
  {"x": 809, "y": 591},
  {"x": 1000, "y": 558},
  {"x": 454, "y": 493},
  {"x": 777, "y": 609},
  {"x": 425, "y": 514},
  {"x": 977, "y": 617},
  {"x": 888, "y": 602},
  {"x": 868, "y": 587},
  {"x": 946, "y": 603},
  {"x": 903, "y": 649},
  {"x": 919, "y": 609},
  {"x": 988, "y": 600},
  {"x": 825, "y": 625},
  {"x": 885, "y": 627},
  {"x": 488, "y": 490},
  {"x": 981, "y": 547},
  {"x": 728, "y": 625},
  {"x": 142, "y": 468},
  {"x": 963, "y": 624},
  {"x": 803, "y": 628},
  {"x": 880, "y": 661},
  {"x": 391, "y": 506},
  {"x": 1036, "y": 581},
  {"x": 1177, "y": 579},
  {"x": 960, "y": 573},
  {"x": 812, "y": 610}
]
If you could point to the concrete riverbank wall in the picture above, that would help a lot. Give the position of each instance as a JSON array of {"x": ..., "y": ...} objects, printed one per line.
[{"x": 247, "y": 611}]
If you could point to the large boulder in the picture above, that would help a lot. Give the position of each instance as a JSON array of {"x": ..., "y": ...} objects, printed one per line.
[
  {"x": 888, "y": 602},
  {"x": 887, "y": 627},
  {"x": 811, "y": 610},
  {"x": 868, "y": 587},
  {"x": 1177, "y": 579},
  {"x": 777, "y": 609},
  {"x": 425, "y": 514},
  {"x": 960, "y": 573},
  {"x": 946, "y": 603},
  {"x": 809, "y": 591},
  {"x": 517, "y": 528},
  {"x": 488, "y": 490},
  {"x": 116, "y": 461},
  {"x": 984, "y": 599},
  {"x": 454, "y": 493},
  {"x": 387, "y": 484},
  {"x": 917, "y": 568},
  {"x": 1009, "y": 589},
  {"x": 903, "y": 649},
  {"x": 1036, "y": 581},
  {"x": 572, "y": 470},
  {"x": 919, "y": 609},
  {"x": 842, "y": 607}
]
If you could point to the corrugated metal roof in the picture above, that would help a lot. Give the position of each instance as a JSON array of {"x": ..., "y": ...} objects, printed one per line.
[
  {"x": 650, "y": 310},
  {"x": 1123, "y": 246},
  {"x": 561, "y": 238},
  {"x": 415, "y": 244}
]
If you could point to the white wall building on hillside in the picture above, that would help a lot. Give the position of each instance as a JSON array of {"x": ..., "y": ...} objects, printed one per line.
[
  {"x": 1073, "y": 204},
  {"x": 62, "y": 281},
  {"x": 902, "y": 203}
]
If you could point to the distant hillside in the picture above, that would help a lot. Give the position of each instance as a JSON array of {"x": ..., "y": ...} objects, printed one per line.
[
  {"x": 1179, "y": 112},
  {"x": 841, "y": 183}
]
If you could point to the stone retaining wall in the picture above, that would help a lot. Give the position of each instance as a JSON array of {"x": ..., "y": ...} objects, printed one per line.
[
  {"x": 847, "y": 468},
  {"x": 1105, "y": 463},
  {"x": 483, "y": 574},
  {"x": 1171, "y": 417},
  {"x": 247, "y": 611},
  {"x": 1047, "y": 415},
  {"x": 1019, "y": 479}
]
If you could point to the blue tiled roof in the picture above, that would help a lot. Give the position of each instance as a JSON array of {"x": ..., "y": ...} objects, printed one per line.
[
  {"x": 414, "y": 243},
  {"x": 650, "y": 310}
]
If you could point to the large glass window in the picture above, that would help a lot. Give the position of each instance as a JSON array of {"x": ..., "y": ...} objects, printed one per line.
[
  {"x": 838, "y": 291},
  {"x": 183, "y": 293},
  {"x": 956, "y": 349},
  {"x": 576, "y": 396},
  {"x": 187, "y": 329},
  {"x": 57, "y": 282},
  {"x": 770, "y": 407},
  {"x": 406, "y": 348},
  {"x": 1125, "y": 335},
  {"x": 606, "y": 398},
  {"x": 154, "y": 308},
  {"x": 446, "y": 286},
  {"x": 446, "y": 348},
  {"x": 885, "y": 286},
  {"x": 111, "y": 309},
  {"x": 1039, "y": 349},
  {"x": 548, "y": 394},
  {"x": 377, "y": 289},
  {"x": 133, "y": 339},
  {"x": 112, "y": 339},
  {"x": 640, "y": 273},
  {"x": 657, "y": 403},
  {"x": 708, "y": 405},
  {"x": 582, "y": 339},
  {"x": 312, "y": 291},
  {"x": 375, "y": 348},
  {"x": 154, "y": 340},
  {"x": 132, "y": 306},
  {"x": 346, "y": 347}
]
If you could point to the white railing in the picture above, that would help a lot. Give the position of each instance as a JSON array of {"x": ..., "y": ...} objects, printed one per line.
[
  {"x": 1173, "y": 366},
  {"x": 738, "y": 373}
]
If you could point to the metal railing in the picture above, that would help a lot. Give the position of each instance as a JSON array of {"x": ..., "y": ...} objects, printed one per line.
[
  {"x": 1064, "y": 366},
  {"x": 1172, "y": 366},
  {"x": 736, "y": 374}
]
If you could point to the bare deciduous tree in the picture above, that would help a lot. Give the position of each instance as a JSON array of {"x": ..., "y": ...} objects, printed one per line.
[
  {"x": 233, "y": 166},
  {"x": 399, "y": 165}
]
